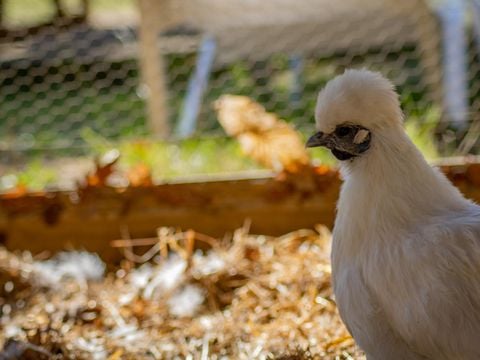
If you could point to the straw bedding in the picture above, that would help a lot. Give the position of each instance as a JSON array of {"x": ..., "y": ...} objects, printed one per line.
[{"x": 188, "y": 296}]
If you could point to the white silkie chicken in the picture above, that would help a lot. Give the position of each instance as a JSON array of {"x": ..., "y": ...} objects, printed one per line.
[{"x": 406, "y": 243}]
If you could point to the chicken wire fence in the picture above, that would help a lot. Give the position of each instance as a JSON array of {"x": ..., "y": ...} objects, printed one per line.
[{"x": 73, "y": 70}]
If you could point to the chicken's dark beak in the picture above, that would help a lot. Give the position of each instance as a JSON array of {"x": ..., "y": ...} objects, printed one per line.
[
  {"x": 346, "y": 141},
  {"x": 318, "y": 139}
]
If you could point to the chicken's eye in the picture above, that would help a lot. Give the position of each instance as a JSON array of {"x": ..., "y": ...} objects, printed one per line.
[{"x": 342, "y": 131}]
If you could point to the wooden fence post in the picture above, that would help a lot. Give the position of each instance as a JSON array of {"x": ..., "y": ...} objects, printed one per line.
[
  {"x": 152, "y": 66},
  {"x": 1, "y": 12}
]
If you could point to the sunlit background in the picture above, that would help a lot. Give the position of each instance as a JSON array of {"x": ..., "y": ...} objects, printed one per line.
[
  {"x": 194, "y": 223},
  {"x": 79, "y": 78}
]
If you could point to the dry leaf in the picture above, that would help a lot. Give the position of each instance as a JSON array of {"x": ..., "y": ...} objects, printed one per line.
[
  {"x": 18, "y": 191},
  {"x": 140, "y": 175},
  {"x": 104, "y": 167}
]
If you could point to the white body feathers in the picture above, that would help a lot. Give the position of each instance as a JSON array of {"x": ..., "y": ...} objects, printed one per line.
[{"x": 406, "y": 243}]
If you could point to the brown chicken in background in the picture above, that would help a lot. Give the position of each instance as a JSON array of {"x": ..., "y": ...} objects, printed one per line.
[{"x": 262, "y": 135}]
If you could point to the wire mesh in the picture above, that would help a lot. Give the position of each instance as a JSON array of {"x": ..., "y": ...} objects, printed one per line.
[{"x": 73, "y": 68}]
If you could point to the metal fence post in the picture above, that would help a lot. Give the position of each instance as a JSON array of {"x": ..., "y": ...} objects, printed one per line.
[
  {"x": 196, "y": 88},
  {"x": 451, "y": 15}
]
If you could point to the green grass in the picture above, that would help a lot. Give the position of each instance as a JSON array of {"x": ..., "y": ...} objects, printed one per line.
[
  {"x": 166, "y": 160},
  {"x": 189, "y": 157},
  {"x": 19, "y": 13},
  {"x": 169, "y": 160}
]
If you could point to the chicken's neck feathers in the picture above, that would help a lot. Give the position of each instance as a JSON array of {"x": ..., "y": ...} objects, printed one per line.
[{"x": 391, "y": 187}]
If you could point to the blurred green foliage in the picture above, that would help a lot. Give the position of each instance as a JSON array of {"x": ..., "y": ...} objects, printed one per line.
[
  {"x": 113, "y": 116},
  {"x": 168, "y": 160},
  {"x": 186, "y": 158},
  {"x": 422, "y": 131},
  {"x": 117, "y": 111}
]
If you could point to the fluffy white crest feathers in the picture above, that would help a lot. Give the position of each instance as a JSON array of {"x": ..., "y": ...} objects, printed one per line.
[{"x": 360, "y": 97}]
